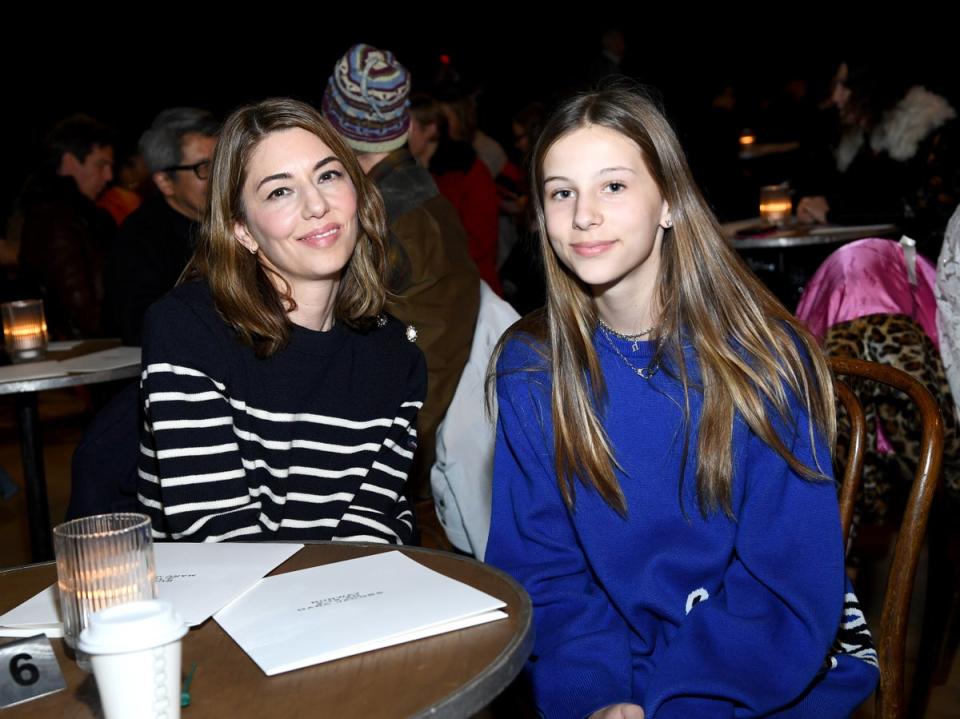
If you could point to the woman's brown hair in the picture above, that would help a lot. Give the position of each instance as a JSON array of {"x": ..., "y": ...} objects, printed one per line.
[{"x": 249, "y": 299}]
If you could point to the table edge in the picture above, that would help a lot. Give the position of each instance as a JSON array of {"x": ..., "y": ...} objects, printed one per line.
[
  {"x": 42, "y": 384},
  {"x": 483, "y": 688}
]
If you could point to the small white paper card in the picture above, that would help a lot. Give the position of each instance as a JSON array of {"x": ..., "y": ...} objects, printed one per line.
[
  {"x": 63, "y": 345},
  {"x": 316, "y": 615},
  {"x": 103, "y": 360},
  {"x": 40, "y": 613}
]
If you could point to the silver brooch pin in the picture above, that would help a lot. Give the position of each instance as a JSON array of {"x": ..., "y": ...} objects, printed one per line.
[{"x": 411, "y": 333}]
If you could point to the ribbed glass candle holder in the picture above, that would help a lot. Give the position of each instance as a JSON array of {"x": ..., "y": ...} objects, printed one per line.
[{"x": 102, "y": 561}]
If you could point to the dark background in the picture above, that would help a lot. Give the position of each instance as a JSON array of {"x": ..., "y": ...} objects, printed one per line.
[{"x": 123, "y": 71}]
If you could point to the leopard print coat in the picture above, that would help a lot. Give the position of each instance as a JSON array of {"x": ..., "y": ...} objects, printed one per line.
[{"x": 899, "y": 341}]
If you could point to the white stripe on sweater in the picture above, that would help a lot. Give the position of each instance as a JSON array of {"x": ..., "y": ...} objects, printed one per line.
[
  {"x": 376, "y": 489},
  {"x": 399, "y": 474},
  {"x": 319, "y": 498},
  {"x": 196, "y": 526},
  {"x": 305, "y": 471},
  {"x": 368, "y": 522},
  {"x": 363, "y": 538},
  {"x": 192, "y": 423},
  {"x": 308, "y": 523},
  {"x": 239, "y": 532},
  {"x": 160, "y": 367},
  {"x": 198, "y": 451},
  {"x": 307, "y": 417},
  {"x": 211, "y": 504},
  {"x": 263, "y": 414},
  {"x": 155, "y": 397},
  {"x": 397, "y": 448},
  {"x": 202, "y": 478},
  {"x": 306, "y": 444}
]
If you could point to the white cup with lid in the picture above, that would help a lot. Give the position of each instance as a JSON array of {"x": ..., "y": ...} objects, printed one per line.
[{"x": 135, "y": 652}]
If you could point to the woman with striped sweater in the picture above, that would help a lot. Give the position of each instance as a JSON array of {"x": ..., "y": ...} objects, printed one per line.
[{"x": 279, "y": 402}]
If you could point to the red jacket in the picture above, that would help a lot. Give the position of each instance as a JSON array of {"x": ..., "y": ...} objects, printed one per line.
[{"x": 474, "y": 194}]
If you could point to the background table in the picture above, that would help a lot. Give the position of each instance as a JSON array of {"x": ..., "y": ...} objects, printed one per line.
[
  {"x": 450, "y": 675},
  {"x": 786, "y": 257},
  {"x": 31, "y": 444},
  {"x": 801, "y": 235}
]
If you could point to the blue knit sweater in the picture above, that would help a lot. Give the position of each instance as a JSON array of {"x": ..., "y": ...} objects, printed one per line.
[{"x": 684, "y": 615}]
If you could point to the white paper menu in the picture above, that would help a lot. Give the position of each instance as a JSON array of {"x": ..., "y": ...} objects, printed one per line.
[
  {"x": 316, "y": 615},
  {"x": 198, "y": 579}
]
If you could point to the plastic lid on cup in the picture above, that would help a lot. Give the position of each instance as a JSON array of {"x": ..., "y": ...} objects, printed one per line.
[{"x": 131, "y": 627}]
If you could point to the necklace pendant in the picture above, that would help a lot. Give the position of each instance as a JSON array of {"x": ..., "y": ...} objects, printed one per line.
[
  {"x": 635, "y": 347},
  {"x": 639, "y": 371}
]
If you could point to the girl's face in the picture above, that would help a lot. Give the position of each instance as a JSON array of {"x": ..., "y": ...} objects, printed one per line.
[
  {"x": 300, "y": 209},
  {"x": 603, "y": 211}
]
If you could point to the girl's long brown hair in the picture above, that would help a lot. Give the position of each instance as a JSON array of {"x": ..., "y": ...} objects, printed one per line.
[
  {"x": 750, "y": 350},
  {"x": 247, "y": 298}
]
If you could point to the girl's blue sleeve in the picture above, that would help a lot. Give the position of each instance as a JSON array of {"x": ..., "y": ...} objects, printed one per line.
[
  {"x": 581, "y": 657},
  {"x": 759, "y": 645}
]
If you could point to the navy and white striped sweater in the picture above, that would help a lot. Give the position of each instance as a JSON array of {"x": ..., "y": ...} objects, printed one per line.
[{"x": 312, "y": 443}]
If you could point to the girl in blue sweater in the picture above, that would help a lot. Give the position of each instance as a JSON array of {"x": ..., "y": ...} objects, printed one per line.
[{"x": 663, "y": 487}]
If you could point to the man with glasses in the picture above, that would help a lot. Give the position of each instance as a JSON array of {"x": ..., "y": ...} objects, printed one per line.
[{"x": 157, "y": 240}]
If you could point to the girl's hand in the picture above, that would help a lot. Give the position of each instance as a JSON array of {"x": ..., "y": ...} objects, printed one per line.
[{"x": 619, "y": 711}]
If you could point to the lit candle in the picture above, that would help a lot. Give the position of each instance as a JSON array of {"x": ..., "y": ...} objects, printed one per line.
[
  {"x": 24, "y": 329},
  {"x": 775, "y": 203},
  {"x": 102, "y": 561}
]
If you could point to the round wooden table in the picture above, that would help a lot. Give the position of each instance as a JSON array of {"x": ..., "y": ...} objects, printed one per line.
[{"x": 450, "y": 675}]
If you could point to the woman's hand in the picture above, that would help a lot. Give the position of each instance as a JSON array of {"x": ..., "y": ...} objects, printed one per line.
[
  {"x": 619, "y": 711},
  {"x": 813, "y": 209}
]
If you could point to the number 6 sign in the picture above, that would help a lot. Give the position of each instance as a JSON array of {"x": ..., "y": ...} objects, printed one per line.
[{"x": 28, "y": 669}]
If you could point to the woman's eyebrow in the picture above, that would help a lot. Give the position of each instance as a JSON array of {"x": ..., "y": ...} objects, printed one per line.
[{"x": 287, "y": 175}]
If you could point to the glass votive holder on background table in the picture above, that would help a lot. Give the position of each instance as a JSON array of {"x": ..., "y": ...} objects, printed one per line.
[
  {"x": 24, "y": 330},
  {"x": 776, "y": 204}
]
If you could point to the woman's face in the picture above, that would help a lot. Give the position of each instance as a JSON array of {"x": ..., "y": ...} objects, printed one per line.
[
  {"x": 840, "y": 96},
  {"x": 604, "y": 211},
  {"x": 300, "y": 209},
  {"x": 521, "y": 140}
]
